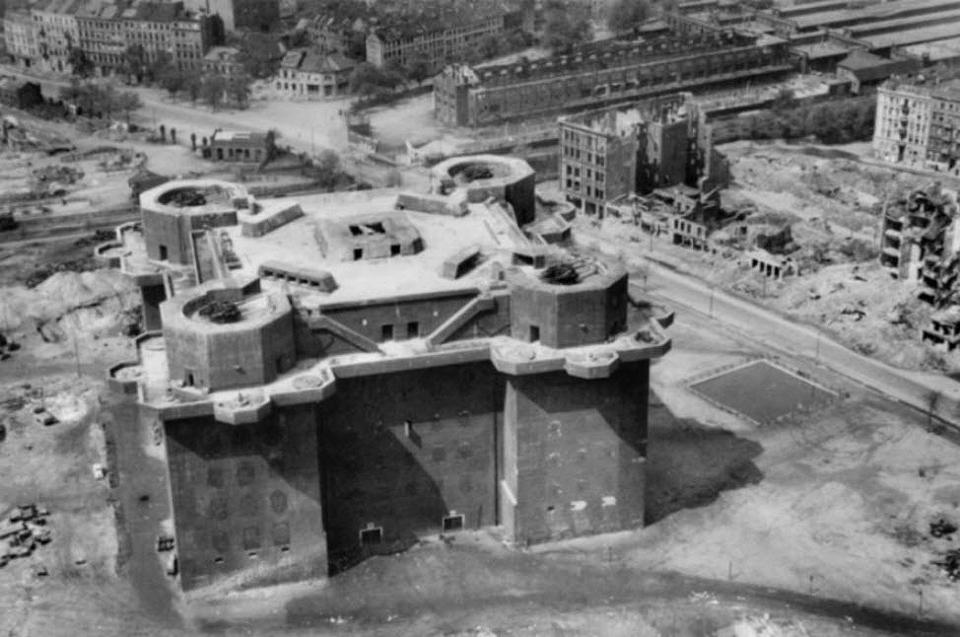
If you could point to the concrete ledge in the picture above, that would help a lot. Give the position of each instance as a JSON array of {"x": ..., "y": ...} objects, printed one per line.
[
  {"x": 419, "y": 361},
  {"x": 178, "y": 411},
  {"x": 243, "y": 414},
  {"x": 304, "y": 391},
  {"x": 592, "y": 365},
  {"x": 517, "y": 359}
]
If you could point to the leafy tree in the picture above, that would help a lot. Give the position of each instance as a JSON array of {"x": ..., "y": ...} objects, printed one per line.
[
  {"x": 193, "y": 85},
  {"x": 82, "y": 65},
  {"x": 259, "y": 55},
  {"x": 159, "y": 67},
  {"x": 784, "y": 100},
  {"x": 238, "y": 87},
  {"x": 418, "y": 68},
  {"x": 490, "y": 47},
  {"x": 627, "y": 14},
  {"x": 567, "y": 24},
  {"x": 173, "y": 80},
  {"x": 135, "y": 62},
  {"x": 367, "y": 80},
  {"x": 127, "y": 102},
  {"x": 212, "y": 89}
]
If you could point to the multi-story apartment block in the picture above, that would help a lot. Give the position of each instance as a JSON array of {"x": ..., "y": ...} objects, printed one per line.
[
  {"x": 607, "y": 154},
  {"x": 338, "y": 379},
  {"x": 56, "y": 33},
  {"x": 917, "y": 124},
  {"x": 109, "y": 31},
  {"x": 902, "y": 125},
  {"x": 943, "y": 149},
  {"x": 439, "y": 36},
  {"x": 20, "y": 37},
  {"x": 313, "y": 74},
  {"x": 605, "y": 75}
]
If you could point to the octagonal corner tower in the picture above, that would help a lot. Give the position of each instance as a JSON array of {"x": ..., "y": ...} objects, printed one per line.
[
  {"x": 344, "y": 374},
  {"x": 506, "y": 179}
]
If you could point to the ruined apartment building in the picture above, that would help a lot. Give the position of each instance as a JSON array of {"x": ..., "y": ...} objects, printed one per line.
[
  {"x": 610, "y": 153},
  {"x": 918, "y": 124},
  {"x": 616, "y": 72},
  {"x": 345, "y": 374}
]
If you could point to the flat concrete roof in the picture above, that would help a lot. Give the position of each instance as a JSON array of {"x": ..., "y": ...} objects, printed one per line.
[
  {"x": 873, "y": 13},
  {"x": 914, "y": 36},
  {"x": 937, "y": 50},
  {"x": 489, "y": 227}
]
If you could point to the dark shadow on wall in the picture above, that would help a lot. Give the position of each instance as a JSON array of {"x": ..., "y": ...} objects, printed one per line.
[
  {"x": 371, "y": 477},
  {"x": 690, "y": 465}
]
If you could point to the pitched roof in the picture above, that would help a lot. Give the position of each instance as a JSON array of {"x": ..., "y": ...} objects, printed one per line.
[{"x": 317, "y": 61}]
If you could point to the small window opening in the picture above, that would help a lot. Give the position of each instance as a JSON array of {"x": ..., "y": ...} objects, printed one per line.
[
  {"x": 413, "y": 329},
  {"x": 453, "y": 523},
  {"x": 371, "y": 536},
  {"x": 534, "y": 333},
  {"x": 386, "y": 332}
]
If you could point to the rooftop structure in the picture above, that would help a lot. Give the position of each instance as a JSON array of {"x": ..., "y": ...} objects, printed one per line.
[{"x": 341, "y": 374}]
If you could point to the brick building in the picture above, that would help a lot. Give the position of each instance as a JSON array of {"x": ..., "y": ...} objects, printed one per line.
[
  {"x": 603, "y": 76},
  {"x": 238, "y": 146},
  {"x": 608, "y": 154},
  {"x": 313, "y": 74},
  {"x": 442, "y": 34},
  {"x": 918, "y": 124},
  {"x": 340, "y": 379}
]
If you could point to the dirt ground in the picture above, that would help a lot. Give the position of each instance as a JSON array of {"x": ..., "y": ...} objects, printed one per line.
[{"x": 831, "y": 197}]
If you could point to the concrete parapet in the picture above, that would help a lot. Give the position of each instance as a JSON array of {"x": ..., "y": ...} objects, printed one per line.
[
  {"x": 257, "y": 225},
  {"x": 431, "y": 204},
  {"x": 245, "y": 409},
  {"x": 591, "y": 365}
]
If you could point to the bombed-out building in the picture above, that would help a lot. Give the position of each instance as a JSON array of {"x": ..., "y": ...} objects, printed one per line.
[
  {"x": 335, "y": 377},
  {"x": 603, "y": 75},
  {"x": 661, "y": 142}
]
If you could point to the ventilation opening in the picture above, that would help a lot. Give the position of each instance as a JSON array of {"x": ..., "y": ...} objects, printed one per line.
[
  {"x": 218, "y": 560},
  {"x": 163, "y": 253},
  {"x": 453, "y": 523},
  {"x": 189, "y": 380},
  {"x": 395, "y": 250},
  {"x": 386, "y": 332},
  {"x": 413, "y": 329},
  {"x": 358, "y": 254},
  {"x": 360, "y": 229},
  {"x": 371, "y": 537},
  {"x": 534, "y": 333}
]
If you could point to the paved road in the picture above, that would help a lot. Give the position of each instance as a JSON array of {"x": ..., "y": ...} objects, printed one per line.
[{"x": 784, "y": 335}]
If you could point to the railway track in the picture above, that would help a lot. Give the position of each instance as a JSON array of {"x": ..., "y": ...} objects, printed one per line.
[{"x": 53, "y": 227}]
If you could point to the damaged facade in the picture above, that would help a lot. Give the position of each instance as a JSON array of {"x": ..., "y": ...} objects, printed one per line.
[
  {"x": 322, "y": 400},
  {"x": 920, "y": 242},
  {"x": 607, "y": 155}
]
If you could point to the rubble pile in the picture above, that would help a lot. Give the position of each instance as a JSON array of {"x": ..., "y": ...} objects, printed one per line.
[{"x": 24, "y": 532}]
